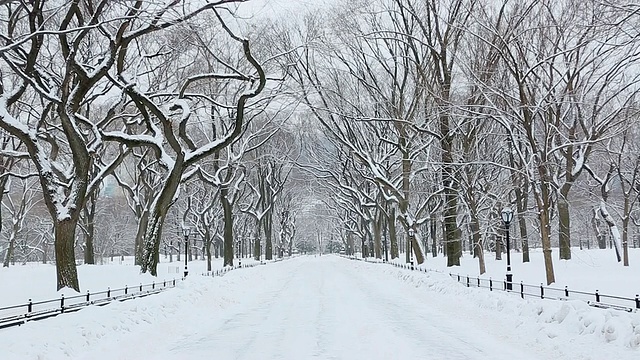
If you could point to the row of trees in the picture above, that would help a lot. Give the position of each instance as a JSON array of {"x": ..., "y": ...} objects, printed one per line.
[
  {"x": 397, "y": 115},
  {"x": 166, "y": 98},
  {"x": 450, "y": 110}
]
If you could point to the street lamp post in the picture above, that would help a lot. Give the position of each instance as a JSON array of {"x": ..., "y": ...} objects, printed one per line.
[
  {"x": 411, "y": 235},
  {"x": 240, "y": 248},
  {"x": 185, "y": 231},
  {"x": 507, "y": 216}
]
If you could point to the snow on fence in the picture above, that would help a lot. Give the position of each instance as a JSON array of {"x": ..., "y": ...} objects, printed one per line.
[
  {"x": 595, "y": 299},
  {"x": 229, "y": 268},
  {"x": 38, "y": 310}
]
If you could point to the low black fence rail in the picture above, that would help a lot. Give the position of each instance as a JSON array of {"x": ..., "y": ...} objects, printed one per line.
[
  {"x": 595, "y": 299},
  {"x": 226, "y": 269},
  {"x": 39, "y": 310}
]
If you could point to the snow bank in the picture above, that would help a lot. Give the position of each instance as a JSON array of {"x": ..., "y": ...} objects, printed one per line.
[{"x": 551, "y": 321}]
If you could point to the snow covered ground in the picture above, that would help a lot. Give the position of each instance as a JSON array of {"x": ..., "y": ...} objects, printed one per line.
[
  {"x": 36, "y": 281},
  {"x": 588, "y": 270},
  {"x": 328, "y": 307}
]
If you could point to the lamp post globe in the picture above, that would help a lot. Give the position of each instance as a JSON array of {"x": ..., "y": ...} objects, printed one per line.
[
  {"x": 507, "y": 217},
  {"x": 185, "y": 231}
]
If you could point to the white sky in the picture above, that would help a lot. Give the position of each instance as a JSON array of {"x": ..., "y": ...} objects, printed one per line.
[{"x": 278, "y": 8}]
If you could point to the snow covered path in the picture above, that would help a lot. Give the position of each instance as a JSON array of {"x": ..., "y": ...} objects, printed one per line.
[
  {"x": 305, "y": 308},
  {"x": 323, "y": 309}
]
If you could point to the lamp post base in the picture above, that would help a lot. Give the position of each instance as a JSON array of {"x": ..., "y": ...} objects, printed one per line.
[{"x": 509, "y": 281}]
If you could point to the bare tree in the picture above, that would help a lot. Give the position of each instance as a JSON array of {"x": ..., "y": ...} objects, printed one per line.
[
  {"x": 64, "y": 55},
  {"x": 178, "y": 150},
  {"x": 20, "y": 200}
]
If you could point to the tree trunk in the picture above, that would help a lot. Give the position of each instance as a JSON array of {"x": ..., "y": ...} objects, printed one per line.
[
  {"x": 546, "y": 247},
  {"x": 403, "y": 205},
  {"x": 478, "y": 251},
  {"x": 433, "y": 223},
  {"x": 595, "y": 223},
  {"x": 407, "y": 247},
  {"x": 90, "y": 212},
  {"x": 159, "y": 209},
  {"x": 10, "y": 250},
  {"x": 3, "y": 185},
  {"x": 207, "y": 247},
  {"x": 417, "y": 250},
  {"x": 625, "y": 238},
  {"x": 257, "y": 253},
  {"x": 451, "y": 231},
  {"x": 564, "y": 226},
  {"x": 143, "y": 221},
  {"x": 377, "y": 242},
  {"x": 350, "y": 245},
  {"x": 522, "y": 222},
  {"x": 268, "y": 227},
  {"x": 152, "y": 236},
  {"x": 613, "y": 228},
  {"x": 45, "y": 250},
  {"x": 393, "y": 236},
  {"x": 67, "y": 274},
  {"x": 625, "y": 232},
  {"x": 542, "y": 201},
  {"x": 227, "y": 210}
]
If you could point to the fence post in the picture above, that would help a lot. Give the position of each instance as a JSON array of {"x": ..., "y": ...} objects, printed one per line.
[
  {"x": 541, "y": 291},
  {"x": 174, "y": 282},
  {"x": 140, "y": 287},
  {"x": 467, "y": 280},
  {"x": 30, "y": 305},
  {"x": 637, "y": 301},
  {"x": 478, "y": 281},
  {"x": 521, "y": 290},
  {"x": 108, "y": 292},
  {"x": 153, "y": 285},
  {"x": 566, "y": 291},
  {"x": 597, "y": 296},
  {"x": 126, "y": 289},
  {"x": 62, "y": 303},
  {"x": 490, "y": 284},
  {"x": 458, "y": 277},
  {"x": 88, "y": 294},
  {"x": 164, "y": 283}
]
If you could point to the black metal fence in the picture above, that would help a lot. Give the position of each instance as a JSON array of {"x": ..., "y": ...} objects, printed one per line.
[
  {"x": 38, "y": 310},
  {"x": 226, "y": 269},
  {"x": 595, "y": 299}
]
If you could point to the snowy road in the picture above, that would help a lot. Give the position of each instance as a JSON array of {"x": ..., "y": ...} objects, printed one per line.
[
  {"x": 327, "y": 308},
  {"x": 305, "y": 308}
]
